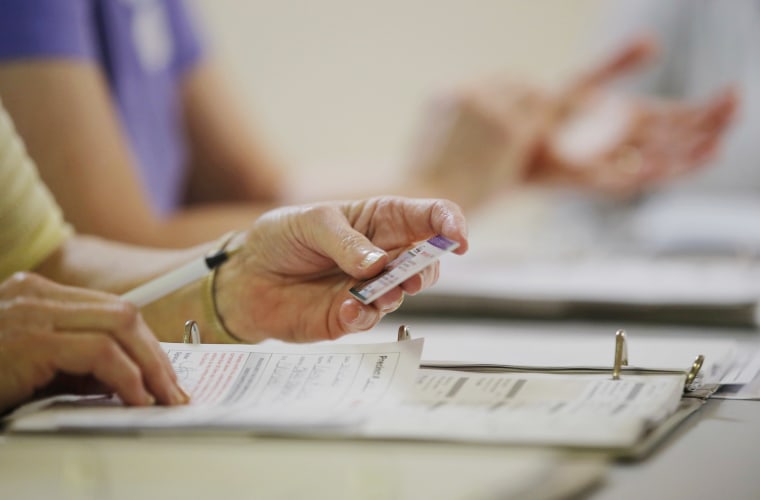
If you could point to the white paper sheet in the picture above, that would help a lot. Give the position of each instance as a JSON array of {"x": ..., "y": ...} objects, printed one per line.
[
  {"x": 255, "y": 387},
  {"x": 377, "y": 390},
  {"x": 530, "y": 408}
]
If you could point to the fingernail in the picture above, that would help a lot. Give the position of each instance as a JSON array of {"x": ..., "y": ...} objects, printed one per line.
[
  {"x": 362, "y": 320},
  {"x": 178, "y": 396},
  {"x": 371, "y": 258},
  {"x": 149, "y": 400},
  {"x": 392, "y": 307},
  {"x": 185, "y": 395}
]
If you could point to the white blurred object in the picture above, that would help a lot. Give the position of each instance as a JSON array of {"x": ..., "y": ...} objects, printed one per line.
[
  {"x": 698, "y": 224},
  {"x": 596, "y": 130}
]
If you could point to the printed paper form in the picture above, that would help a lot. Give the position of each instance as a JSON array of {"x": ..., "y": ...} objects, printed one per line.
[
  {"x": 569, "y": 410},
  {"x": 270, "y": 379},
  {"x": 250, "y": 386},
  {"x": 377, "y": 390},
  {"x": 743, "y": 380}
]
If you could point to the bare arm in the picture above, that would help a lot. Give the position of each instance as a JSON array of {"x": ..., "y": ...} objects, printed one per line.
[
  {"x": 92, "y": 262},
  {"x": 63, "y": 111},
  {"x": 227, "y": 161}
]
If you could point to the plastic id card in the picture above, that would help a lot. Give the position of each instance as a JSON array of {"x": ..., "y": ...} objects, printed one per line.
[{"x": 403, "y": 267}]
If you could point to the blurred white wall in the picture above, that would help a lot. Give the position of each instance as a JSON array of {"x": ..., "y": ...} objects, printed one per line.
[{"x": 340, "y": 84}]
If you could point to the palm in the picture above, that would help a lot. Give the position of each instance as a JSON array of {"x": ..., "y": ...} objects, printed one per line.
[{"x": 621, "y": 144}]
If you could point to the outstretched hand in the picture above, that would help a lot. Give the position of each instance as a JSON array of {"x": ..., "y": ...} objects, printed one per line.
[
  {"x": 292, "y": 278},
  {"x": 621, "y": 144}
]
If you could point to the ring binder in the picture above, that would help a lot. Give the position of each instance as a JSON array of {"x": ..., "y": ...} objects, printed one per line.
[
  {"x": 691, "y": 376},
  {"x": 192, "y": 333},
  {"x": 621, "y": 354},
  {"x": 403, "y": 333},
  {"x": 192, "y": 336},
  {"x": 621, "y": 359},
  {"x": 625, "y": 419}
]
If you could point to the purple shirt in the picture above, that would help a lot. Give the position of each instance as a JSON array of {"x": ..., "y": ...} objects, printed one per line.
[{"x": 143, "y": 47}]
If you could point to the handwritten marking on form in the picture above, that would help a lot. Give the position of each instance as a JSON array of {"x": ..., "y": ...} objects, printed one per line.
[{"x": 258, "y": 379}]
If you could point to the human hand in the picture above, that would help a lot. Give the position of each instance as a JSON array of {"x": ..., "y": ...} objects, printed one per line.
[
  {"x": 57, "y": 339},
  {"x": 478, "y": 140},
  {"x": 292, "y": 278},
  {"x": 620, "y": 144}
]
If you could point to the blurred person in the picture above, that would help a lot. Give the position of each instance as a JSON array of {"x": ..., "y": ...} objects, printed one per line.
[
  {"x": 126, "y": 115},
  {"x": 289, "y": 280}
]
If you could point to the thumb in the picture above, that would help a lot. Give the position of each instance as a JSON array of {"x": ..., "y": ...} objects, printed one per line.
[{"x": 351, "y": 250}]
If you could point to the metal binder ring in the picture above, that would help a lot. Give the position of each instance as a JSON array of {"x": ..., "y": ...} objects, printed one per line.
[{"x": 694, "y": 371}]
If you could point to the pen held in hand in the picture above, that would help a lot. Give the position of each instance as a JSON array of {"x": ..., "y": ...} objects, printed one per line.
[{"x": 176, "y": 279}]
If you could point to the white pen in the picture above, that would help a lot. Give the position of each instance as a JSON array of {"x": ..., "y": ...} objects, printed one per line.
[{"x": 176, "y": 279}]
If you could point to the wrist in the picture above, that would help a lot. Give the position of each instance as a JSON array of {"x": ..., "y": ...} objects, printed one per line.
[{"x": 215, "y": 323}]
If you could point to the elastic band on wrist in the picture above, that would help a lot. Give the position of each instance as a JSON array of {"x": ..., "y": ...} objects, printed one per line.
[{"x": 214, "y": 320}]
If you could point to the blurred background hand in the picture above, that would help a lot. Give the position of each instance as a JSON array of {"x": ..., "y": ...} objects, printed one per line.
[{"x": 621, "y": 144}]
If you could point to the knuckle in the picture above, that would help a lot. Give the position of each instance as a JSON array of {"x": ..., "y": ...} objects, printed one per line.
[
  {"x": 349, "y": 242},
  {"x": 130, "y": 377},
  {"x": 107, "y": 350},
  {"x": 22, "y": 304},
  {"x": 318, "y": 213},
  {"x": 444, "y": 209},
  {"x": 127, "y": 314},
  {"x": 22, "y": 283}
]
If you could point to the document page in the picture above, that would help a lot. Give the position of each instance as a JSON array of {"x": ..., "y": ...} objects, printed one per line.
[
  {"x": 379, "y": 391},
  {"x": 743, "y": 380},
  {"x": 258, "y": 387},
  {"x": 531, "y": 408}
]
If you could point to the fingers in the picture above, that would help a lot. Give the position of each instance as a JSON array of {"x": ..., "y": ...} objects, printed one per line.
[
  {"x": 117, "y": 318},
  {"x": 630, "y": 57},
  {"x": 357, "y": 238},
  {"x": 33, "y": 285},
  {"x": 128, "y": 329},
  {"x": 336, "y": 238},
  {"x": 354, "y": 316},
  {"x": 666, "y": 139},
  {"x": 719, "y": 112},
  {"x": 424, "y": 279},
  {"x": 91, "y": 353},
  {"x": 390, "y": 301},
  {"x": 679, "y": 138},
  {"x": 395, "y": 222},
  {"x": 446, "y": 218},
  {"x": 62, "y": 314}
]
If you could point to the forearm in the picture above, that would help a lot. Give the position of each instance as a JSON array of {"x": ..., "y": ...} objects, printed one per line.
[
  {"x": 230, "y": 160},
  {"x": 95, "y": 263},
  {"x": 187, "y": 227},
  {"x": 83, "y": 157},
  {"x": 92, "y": 262}
]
